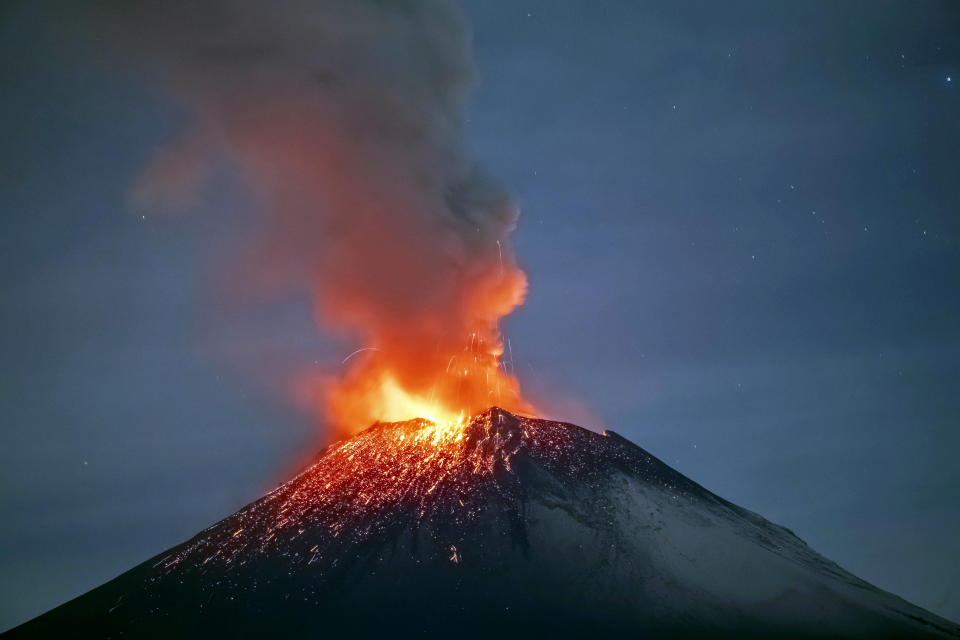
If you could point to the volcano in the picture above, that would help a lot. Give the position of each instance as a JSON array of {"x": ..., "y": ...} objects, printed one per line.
[{"x": 501, "y": 525}]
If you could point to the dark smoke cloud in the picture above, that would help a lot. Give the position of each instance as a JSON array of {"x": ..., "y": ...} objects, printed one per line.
[{"x": 344, "y": 117}]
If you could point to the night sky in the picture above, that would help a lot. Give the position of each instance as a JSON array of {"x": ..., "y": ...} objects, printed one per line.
[{"x": 740, "y": 222}]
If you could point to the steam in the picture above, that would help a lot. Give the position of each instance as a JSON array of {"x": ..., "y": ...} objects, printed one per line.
[{"x": 344, "y": 116}]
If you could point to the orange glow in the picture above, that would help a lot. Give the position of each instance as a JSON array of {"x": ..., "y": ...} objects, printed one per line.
[
  {"x": 469, "y": 382},
  {"x": 392, "y": 403},
  {"x": 444, "y": 368}
]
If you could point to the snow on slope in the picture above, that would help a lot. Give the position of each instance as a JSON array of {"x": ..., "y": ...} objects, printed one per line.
[{"x": 505, "y": 525}]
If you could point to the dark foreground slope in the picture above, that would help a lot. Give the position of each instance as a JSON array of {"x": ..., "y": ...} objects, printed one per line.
[{"x": 508, "y": 526}]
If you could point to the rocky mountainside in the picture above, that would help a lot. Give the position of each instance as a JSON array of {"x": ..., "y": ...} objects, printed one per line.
[{"x": 501, "y": 525}]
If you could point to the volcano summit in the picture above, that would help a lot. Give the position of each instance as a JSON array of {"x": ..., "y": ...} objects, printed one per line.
[{"x": 501, "y": 524}]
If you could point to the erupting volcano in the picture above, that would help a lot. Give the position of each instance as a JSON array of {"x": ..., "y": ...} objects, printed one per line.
[
  {"x": 446, "y": 516},
  {"x": 501, "y": 525}
]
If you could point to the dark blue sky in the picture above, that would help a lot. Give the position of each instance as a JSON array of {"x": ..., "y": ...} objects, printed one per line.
[{"x": 741, "y": 225}]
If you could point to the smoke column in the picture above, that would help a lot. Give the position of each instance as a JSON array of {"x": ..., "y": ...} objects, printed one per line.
[{"x": 344, "y": 117}]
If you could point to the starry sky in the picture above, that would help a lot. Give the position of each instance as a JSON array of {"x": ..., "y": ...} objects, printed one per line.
[{"x": 741, "y": 225}]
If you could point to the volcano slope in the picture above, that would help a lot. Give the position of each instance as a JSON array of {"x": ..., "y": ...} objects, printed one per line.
[{"x": 503, "y": 525}]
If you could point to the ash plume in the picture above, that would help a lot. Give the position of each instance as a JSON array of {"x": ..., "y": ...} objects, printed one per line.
[{"x": 344, "y": 117}]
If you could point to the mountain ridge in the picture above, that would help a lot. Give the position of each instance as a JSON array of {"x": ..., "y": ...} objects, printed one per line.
[{"x": 517, "y": 524}]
